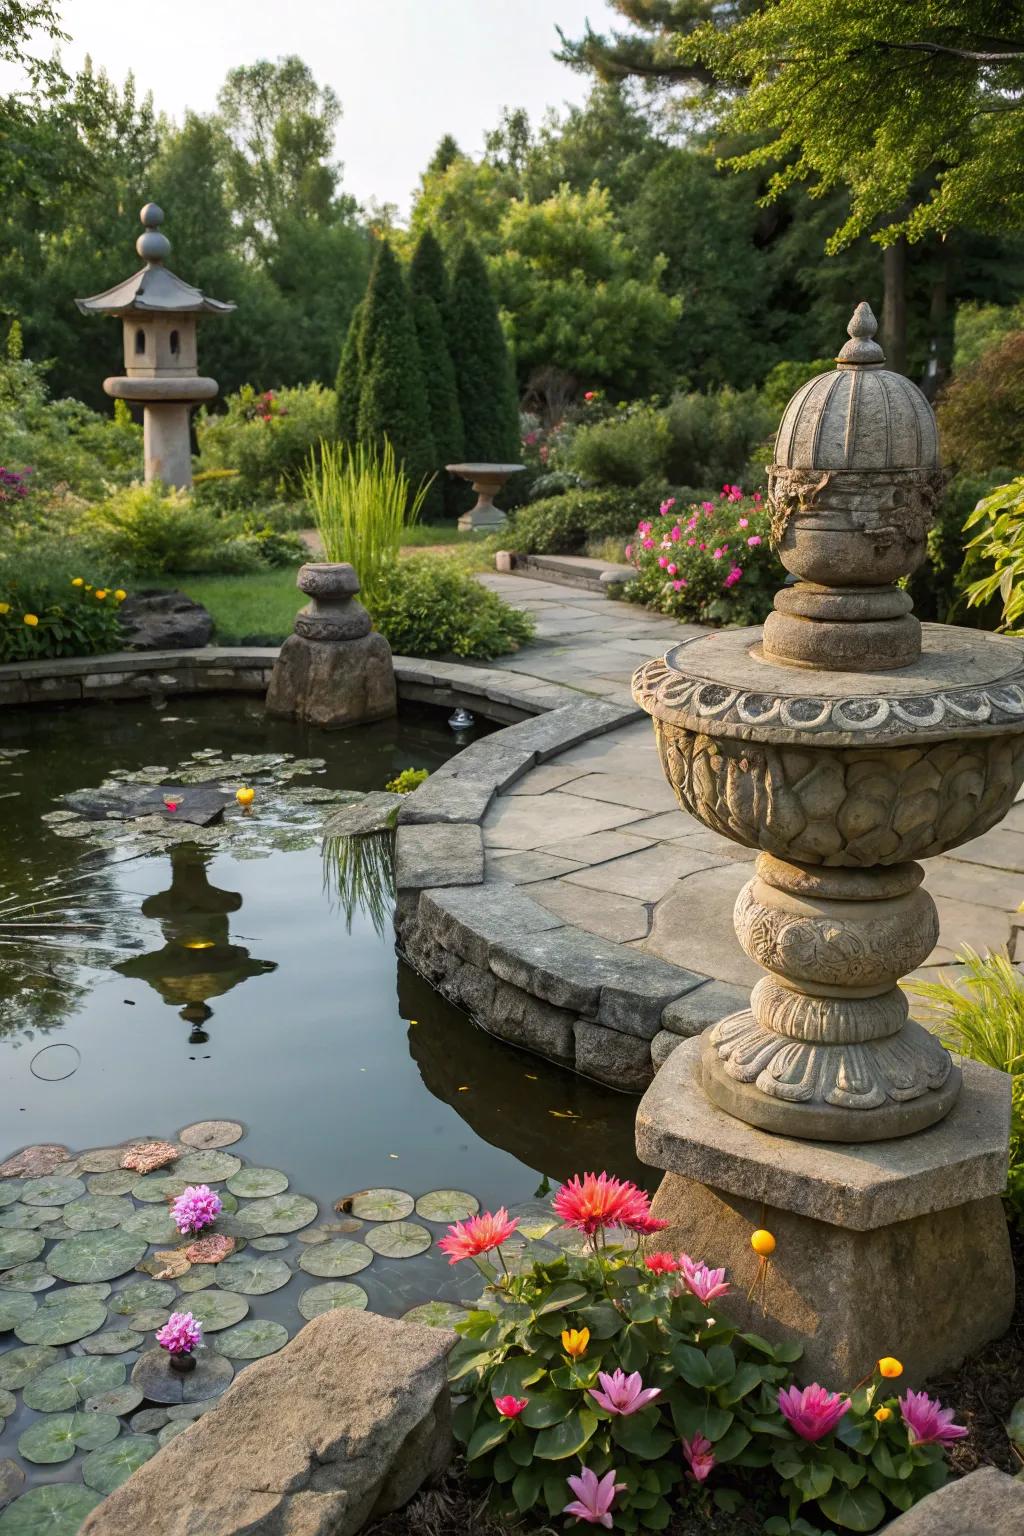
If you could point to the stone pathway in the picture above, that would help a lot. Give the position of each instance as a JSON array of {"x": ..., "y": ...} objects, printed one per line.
[{"x": 598, "y": 839}]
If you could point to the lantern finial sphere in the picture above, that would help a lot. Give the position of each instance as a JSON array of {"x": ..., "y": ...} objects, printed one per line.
[
  {"x": 152, "y": 246},
  {"x": 862, "y": 347}
]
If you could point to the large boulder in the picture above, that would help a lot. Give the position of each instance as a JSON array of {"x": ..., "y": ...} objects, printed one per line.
[
  {"x": 987, "y": 1503},
  {"x": 344, "y": 1425},
  {"x": 159, "y": 620}
]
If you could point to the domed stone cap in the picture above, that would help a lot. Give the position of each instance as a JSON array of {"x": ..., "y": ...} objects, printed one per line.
[{"x": 860, "y": 417}]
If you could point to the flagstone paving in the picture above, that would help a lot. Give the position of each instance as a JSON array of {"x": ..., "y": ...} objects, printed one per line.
[{"x": 595, "y": 835}]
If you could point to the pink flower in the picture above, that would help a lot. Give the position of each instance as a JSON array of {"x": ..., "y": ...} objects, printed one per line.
[
  {"x": 661, "y": 1263},
  {"x": 754, "y": 540},
  {"x": 672, "y": 569},
  {"x": 594, "y": 1497},
  {"x": 719, "y": 553},
  {"x": 690, "y": 543},
  {"x": 677, "y": 586},
  {"x": 757, "y": 496},
  {"x": 510, "y": 1407},
  {"x": 733, "y": 576},
  {"x": 623, "y": 1394},
  {"x": 699, "y": 1456},
  {"x": 643, "y": 527},
  {"x": 195, "y": 1208},
  {"x": 703, "y": 546},
  {"x": 744, "y": 522},
  {"x": 705, "y": 1283},
  {"x": 591, "y": 394},
  {"x": 812, "y": 1412},
  {"x": 692, "y": 523},
  {"x": 180, "y": 1334},
  {"x": 663, "y": 561},
  {"x": 648, "y": 543},
  {"x": 629, "y": 551},
  {"x": 928, "y": 1423},
  {"x": 597, "y": 1201},
  {"x": 676, "y": 534},
  {"x": 468, "y": 1239},
  {"x": 667, "y": 506},
  {"x": 708, "y": 507}
]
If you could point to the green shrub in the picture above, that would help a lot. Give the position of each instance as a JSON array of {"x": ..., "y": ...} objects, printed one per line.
[
  {"x": 712, "y": 436},
  {"x": 996, "y": 553},
  {"x": 392, "y": 393},
  {"x": 981, "y": 411},
  {"x": 625, "y": 449},
  {"x": 483, "y": 368},
  {"x": 937, "y": 586},
  {"x": 73, "y": 613},
  {"x": 266, "y": 439},
  {"x": 409, "y": 779},
  {"x": 152, "y": 530},
  {"x": 430, "y": 605},
  {"x": 567, "y": 524},
  {"x": 978, "y": 328}
]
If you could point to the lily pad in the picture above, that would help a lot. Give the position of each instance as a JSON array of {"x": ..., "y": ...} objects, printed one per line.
[
  {"x": 100, "y": 1159},
  {"x": 336, "y": 1293},
  {"x": 340, "y": 1256},
  {"x": 107, "y": 1469},
  {"x": 378, "y": 1204},
  {"x": 61, "y": 1318},
  {"x": 15, "y": 1307},
  {"x": 68, "y": 1383},
  {"x": 18, "y": 1366},
  {"x": 280, "y": 1213},
  {"x": 211, "y": 1133},
  {"x": 148, "y": 1420},
  {"x": 447, "y": 1205},
  {"x": 154, "y": 1224},
  {"x": 118, "y": 1401},
  {"x": 264, "y": 1244},
  {"x": 96, "y": 1256},
  {"x": 19, "y": 1247},
  {"x": 252, "y": 1274},
  {"x": 399, "y": 1239},
  {"x": 141, "y": 1294},
  {"x": 59, "y": 1435},
  {"x": 252, "y": 1340},
  {"x": 58, "y": 1509},
  {"x": 207, "y": 1167},
  {"x": 12, "y": 1480},
  {"x": 52, "y": 1191},
  {"x": 256, "y": 1183},
  {"x": 148, "y": 1319},
  {"x": 25, "y": 1218},
  {"x": 8, "y": 1403},
  {"x": 155, "y": 1379},
  {"x": 217, "y": 1309},
  {"x": 112, "y": 1341},
  {"x": 197, "y": 1280},
  {"x": 10, "y": 1190},
  {"x": 27, "y": 1277},
  {"x": 171, "y": 1431},
  {"x": 436, "y": 1314},
  {"x": 97, "y": 1213},
  {"x": 116, "y": 1181},
  {"x": 241, "y": 1225}
]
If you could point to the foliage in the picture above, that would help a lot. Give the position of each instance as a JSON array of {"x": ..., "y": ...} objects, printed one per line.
[
  {"x": 1000, "y": 543},
  {"x": 981, "y": 1015},
  {"x": 782, "y": 382},
  {"x": 624, "y": 449},
  {"x": 981, "y": 413},
  {"x": 408, "y": 780},
  {"x": 392, "y": 393},
  {"x": 710, "y": 563},
  {"x": 151, "y": 530},
  {"x": 483, "y": 368},
  {"x": 566, "y": 524},
  {"x": 697, "y": 439},
  {"x": 349, "y": 379},
  {"x": 980, "y": 327},
  {"x": 937, "y": 586},
  {"x": 73, "y": 616},
  {"x": 428, "y": 283},
  {"x": 429, "y": 605},
  {"x": 266, "y": 438},
  {"x": 362, "y": 503},
  {"x": 535, "y": 1349}
]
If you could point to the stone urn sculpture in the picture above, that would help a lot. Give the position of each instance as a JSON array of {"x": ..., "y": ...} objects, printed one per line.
[
  {"x": 335, "y": 669},
  {"x": 487, "y": 480}
]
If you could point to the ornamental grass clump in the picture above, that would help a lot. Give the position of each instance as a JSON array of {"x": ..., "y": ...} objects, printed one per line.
[
  {"x": 608, "y": 1386},
  {"x": 710, "y": 563}
]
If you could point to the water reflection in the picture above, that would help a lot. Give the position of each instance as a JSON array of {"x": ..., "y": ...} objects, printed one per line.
[
  {"x": 198, "y": 960},
  {"x": 359, "y": 876}
]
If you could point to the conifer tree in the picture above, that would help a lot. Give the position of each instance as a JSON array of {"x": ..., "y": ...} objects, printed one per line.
[
  {"x": 348, "y": 383},
  {"x": 392, "y": 394},
  {"x": 428, "y": 282},
  {"x": 483, "y": 367}
]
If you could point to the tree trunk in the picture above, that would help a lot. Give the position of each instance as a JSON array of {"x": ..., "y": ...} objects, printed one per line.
[
  {"x": 894, "y": 306},
  {"x": 940, "y": 330}
]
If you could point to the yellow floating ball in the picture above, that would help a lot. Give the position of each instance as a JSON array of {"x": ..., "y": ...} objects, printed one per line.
[
  {"x": 762, "y": 1242},
  {"x": 244, "y": 795}
]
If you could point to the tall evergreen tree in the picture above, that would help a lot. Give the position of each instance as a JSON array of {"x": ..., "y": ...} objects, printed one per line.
[
  {"x": 349, "y": 381},
  {"x": 428, "y": 283},
  {"x": 392, "y": 394},
  {"x": 483, "y": 367}
]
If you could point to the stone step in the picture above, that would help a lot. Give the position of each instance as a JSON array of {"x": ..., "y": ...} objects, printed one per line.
[{"x": 572, "y": 571}]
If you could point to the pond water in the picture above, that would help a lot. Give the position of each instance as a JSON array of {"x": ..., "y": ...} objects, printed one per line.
[{"x": 246, "y": 974}]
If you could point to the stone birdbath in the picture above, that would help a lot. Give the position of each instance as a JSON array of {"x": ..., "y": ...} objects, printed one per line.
[
  {"x": 487, "y": 480},
  {"x": 844, "y": 742}
]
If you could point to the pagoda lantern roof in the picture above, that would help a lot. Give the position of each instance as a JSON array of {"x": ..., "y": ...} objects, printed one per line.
[{"x": 155, "y": 289}]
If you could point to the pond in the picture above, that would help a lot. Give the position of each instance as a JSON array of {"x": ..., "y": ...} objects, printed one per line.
[{"x": 154, "y": 975}]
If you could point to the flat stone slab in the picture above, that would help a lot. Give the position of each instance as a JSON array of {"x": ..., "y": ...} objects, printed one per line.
[
  {"x": 198, "y": 804},
  {"x": 375, "y": 812},
  {"x": 451, "y": 798},
  {"x": 863, "y": 1186},
  {"x": 985, "y": 1503},
  {"x": 704, "y": 1006},
  {"x": 437, "y": 855},
  {"x": 469, "y": 920}
]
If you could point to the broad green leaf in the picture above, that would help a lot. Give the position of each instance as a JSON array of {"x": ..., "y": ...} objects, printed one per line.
[
  {"x": 515, "y": 1375},
  {"x": 567, "y": 1438},
  {"x": 564, "y": 1296},
  {"x": 547, "y": 1408},
  {"x": 486, "y": 1436},
  {"x": 747, "y": 1377},
  {"x": 855, "y": 1509},
  {"x": 692, "y": 1365},
  {"x": 526, "y": 1485}
]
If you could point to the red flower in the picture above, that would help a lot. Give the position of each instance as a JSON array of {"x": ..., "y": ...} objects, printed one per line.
[
  {"x": 468, "y": 1239},
  {"x": 661, "y": 1263},
  {"x": 597, "y": 1201},
  {"x": 510, "y": 1407}
]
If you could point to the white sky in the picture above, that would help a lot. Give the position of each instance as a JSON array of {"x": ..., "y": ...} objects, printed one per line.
[{"x": 406, "y": 71}]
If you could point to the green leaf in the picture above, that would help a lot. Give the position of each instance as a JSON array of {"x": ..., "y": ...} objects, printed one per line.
[
  {"x": 547, "y": 1408},
  {"x": 736, "y": 1439},
  {"x": 1015, "y": 1424},
  {"x": 814, "y": 1479},
  {"x": 786, "y": 1353},
  {"x": 486, "y": 1436},
  {"x": 855, "y": 1509},
  {"x": 633, "y": 1351},
  {"x": 640, "y": 1434},
  {"x": 603, "y": 1320},
  {"x": 562, "y": 1297},
  {"x": 567, "y": 1438},
  {"x": 722, "y": 1364},
  {"x": 513, "y": 1376},
  {"x": 526, "y": 1485},
  {"x": 692, "y": 1365},
  {"x": 747, "y": 1377}
]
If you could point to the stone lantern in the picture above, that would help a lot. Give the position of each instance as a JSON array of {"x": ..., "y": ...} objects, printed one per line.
[
  {"x": 159, "y": 313},
  {"x": 844, "y": 742}
]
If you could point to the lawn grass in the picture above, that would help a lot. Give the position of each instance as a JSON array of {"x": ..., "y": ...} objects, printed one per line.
[{"x": 258, "y": 609}]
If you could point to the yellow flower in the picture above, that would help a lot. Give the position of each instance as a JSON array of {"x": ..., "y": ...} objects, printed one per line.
[
  {"x": 31, "y": 620},
  {"x": 78, "y": 581},
  {"x": 5, "y": 607},
  {"x": 244, "y": 795},
  {"x": 88, "y": 587},
  {"x": 883, "y": 1415},
  {"x": 889, "y": 1368},
  {"x": 762, "y": 1242},
  {"x": 120, "y": 594},
  {"x": 575, "y": 1341},
  {"x": 101, "y": 593}
]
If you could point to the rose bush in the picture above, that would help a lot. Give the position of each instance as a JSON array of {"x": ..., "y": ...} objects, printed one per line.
[{"x": 607, "y": 1385}]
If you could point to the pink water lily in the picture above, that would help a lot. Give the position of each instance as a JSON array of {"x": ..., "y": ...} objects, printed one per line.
[
  {"x": 812, "y": 1412},
  {"x": 510, "y": 1407},
  {"x": 705, "y": 1283},
  {"x": 928, "y": 1423},
  {"x": 195, "y": 1208},
  {"x": 699, "y": 1456},
  {"x": 594, "y": 1497},
  {"x": 180, "y": 1334},
  {"x": 623, "y": 1394}
]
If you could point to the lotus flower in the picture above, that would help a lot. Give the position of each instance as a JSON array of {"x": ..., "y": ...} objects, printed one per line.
[
  {"x": 812, "y": 1412},
  {"x": 594, "y": 1497},
  {"x": 623, "y": 1394},
  {"x": 180, "y": 1334},
  {"x": 928, "y": 1423},
  {"x": 699, "y": 1456},
  {"x": 661, "y": 1263},
  {"x": 705, "y": 1283},
  {"x": 510, "y": 1407},
  {"x": 195, "y": 1208},
  {"x": 468, "y": 1239}
]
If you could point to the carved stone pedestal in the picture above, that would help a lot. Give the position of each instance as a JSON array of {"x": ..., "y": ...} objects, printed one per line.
[
  {"x": 334, "y": 670},
  {"x": 873, "y": 1242}
]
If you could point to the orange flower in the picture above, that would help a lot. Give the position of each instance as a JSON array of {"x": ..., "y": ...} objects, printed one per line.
[
  {"x": 889, "y": 1368},
  {"x": 883, "y": 1415},
  {"x": 101, "y": 593},
  {"x": 575, "y": 1341}
]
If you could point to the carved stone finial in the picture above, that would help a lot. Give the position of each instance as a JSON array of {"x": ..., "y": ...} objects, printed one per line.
[
  {"x": 861, "y": 347},
  {"x": 153, "y": 246}
]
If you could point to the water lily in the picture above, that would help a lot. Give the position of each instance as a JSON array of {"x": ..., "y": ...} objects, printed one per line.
[
  {"x": 195, "y": 1208},
  {"x": 575, "y": 1341},
  {"x": 623, "y": 1394},
  {"x": 181, "y": 1334},
  {"x": 928, "y": 1423},
  {"x": 594, "y": 1497},
  {"x": 699, "y": 1456},
  {"x": 468, "y": 1239},
  {"x": 812, "y": 1412},
  {"x": 703, "y": 1282},
  {"x": 598, "y": 1201},
  {"x": 510, "y": 1407},
  {"x": 890, "y": 1367}
]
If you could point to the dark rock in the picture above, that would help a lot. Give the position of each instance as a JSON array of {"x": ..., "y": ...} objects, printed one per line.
[
  {"x": 164, "y": 620},
  {"x": 198, "y": 804}
]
